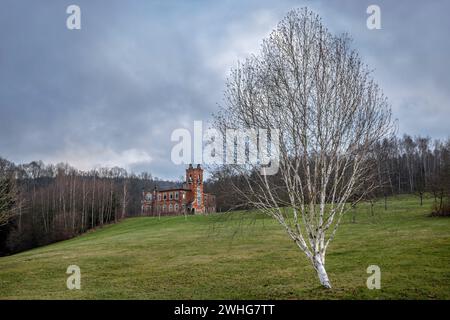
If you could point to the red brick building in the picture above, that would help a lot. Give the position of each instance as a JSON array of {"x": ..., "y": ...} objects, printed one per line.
[{"x": 187, "y": 199}]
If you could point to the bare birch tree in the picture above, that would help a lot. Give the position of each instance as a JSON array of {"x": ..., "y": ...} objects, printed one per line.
[{"x": 312, "y": 87}]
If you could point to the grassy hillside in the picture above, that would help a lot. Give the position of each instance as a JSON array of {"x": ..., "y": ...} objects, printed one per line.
[{"x": 240, "y": 256}]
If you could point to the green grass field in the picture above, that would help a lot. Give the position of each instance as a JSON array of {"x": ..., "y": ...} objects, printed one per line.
[{"x": 240, "y": 256}]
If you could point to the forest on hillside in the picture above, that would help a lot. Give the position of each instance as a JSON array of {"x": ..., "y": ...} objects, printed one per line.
[{"x": 41, "y": 204}]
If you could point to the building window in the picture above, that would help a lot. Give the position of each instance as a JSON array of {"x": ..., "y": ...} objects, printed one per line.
[
  {"x": 164, "y": 208},
  {"x": 170, "y": 208},
  {"x": 159, "y": 197},
  {"x": 171, "y": 196},
  {"x": 176, "y": 207},
  {"x": 165, "y": 196},
  {"x": 176, "y": 195}
]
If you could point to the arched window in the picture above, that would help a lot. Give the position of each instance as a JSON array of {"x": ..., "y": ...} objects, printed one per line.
[
  {"x": 170, "y": 208},
  {"x": 176, "y": 207},
  {"x": 176, "y": 195}
]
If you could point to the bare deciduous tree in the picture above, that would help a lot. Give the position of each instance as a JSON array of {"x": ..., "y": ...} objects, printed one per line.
[
  {"x": 8, "y": 195},
  {"x": 314, "y": 89}
]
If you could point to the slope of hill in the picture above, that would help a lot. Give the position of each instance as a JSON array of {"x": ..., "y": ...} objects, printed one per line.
[{"x": 240, "y": 256}]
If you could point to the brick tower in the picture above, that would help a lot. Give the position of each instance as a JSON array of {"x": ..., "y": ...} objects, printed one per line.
[{"x": 194, "y": 181}]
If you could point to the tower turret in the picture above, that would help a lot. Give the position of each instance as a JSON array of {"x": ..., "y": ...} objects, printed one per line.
[{"x": 194, "y": 181}]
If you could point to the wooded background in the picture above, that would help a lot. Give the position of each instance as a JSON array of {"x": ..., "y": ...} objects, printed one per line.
[{"x": 41, "y": 204}]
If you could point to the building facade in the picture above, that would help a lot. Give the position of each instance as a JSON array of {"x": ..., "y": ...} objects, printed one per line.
[{"x": 187, "y": 199}]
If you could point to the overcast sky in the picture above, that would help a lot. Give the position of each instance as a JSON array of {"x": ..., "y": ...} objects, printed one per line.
[{"x": 113, "y": 92}]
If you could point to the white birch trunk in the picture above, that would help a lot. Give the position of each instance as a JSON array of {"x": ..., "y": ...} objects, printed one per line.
[{"x": 321, "y": 272}]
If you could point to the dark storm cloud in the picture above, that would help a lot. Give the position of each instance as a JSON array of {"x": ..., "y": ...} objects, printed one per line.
[{"x": 112, "y": 92}]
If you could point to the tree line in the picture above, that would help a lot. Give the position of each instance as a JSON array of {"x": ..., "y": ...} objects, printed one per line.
[
  {"x": 41, "y": 204},
  {"x": 416, "y": 166},
  {"x": 404, "y": 165}
]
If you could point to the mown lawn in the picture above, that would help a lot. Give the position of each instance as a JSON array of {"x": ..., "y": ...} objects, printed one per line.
[{"x": 241, "y": 256}]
